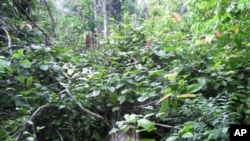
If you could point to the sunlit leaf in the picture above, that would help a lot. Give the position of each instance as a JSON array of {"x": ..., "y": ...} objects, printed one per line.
[
  {"x": 171, "y": 76},
  {"x": 130, "y": 118},
  {"x": 187, "y": 96},
  {"x": 164, "y": 98},
  {"x": 146, "y": 124},
  {"x": 95, "y": 93},
  {"x": 18, "y": 54},
  {"x": 172, "y": 138},
  {"x": 21, "y": 26},
  {"x": 44, "y": 67},
  {"x": 25, "y": 63},
  {"x": 70, "y": 72},
  {"x": 21, "y": 79},
  {"x": 164, "y": 110},
  {"x": 122, "y": 98},
  {"x": 235, "y": 30},
  {"x": 187, "y": 135},
  {"x": 4, "y": 64},
  {"x": 29, "y": 80},
  {"x": 185, "y": 129}
]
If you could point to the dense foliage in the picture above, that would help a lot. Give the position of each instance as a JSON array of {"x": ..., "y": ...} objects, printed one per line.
[{"x": 168, "y": 70}]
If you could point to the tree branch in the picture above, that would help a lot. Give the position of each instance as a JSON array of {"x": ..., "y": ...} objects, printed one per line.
[
  {"x": 33, "y": 22},
  {"x": 167, "y": 126},
  {"x": 51, "y": 18},
  {"x": 36, "y": 113},
  {"x": 83, "y": 108},
  {"x": 9, "y": 39}
]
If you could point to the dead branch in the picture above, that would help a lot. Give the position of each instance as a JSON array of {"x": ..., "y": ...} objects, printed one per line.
[
  {"x": 9, "y": 39},
  {"x": 31, "y": 20},
  {"x": 60, "y": 136},
  {"x": 167, "y": 126},
  {"x": 83, "y": 108},
  {"x": 36, "y": 113}
]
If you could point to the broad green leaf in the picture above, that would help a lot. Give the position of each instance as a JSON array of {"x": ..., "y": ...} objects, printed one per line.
[
  {"x": 164, "y": 110},
  {"x": 21, "y": 79},
  {"x": 116, "y": 108},
  {"x": 161, "y": 53},
  {"x": 70, "y": 72},
  {"x": 185, "y": 129},
  {"x": 18, "y": 54},
  {"x": 146, "y": 124},
  {"x": 154, "y": 73},
  {"x": 25, "y": 63},
  {"x": 4, "y": 64},
  {"x": 193, "y": 88},
  {"x": 27, "y": 92},
  {"x": 29, "y": 81},
  {"x": 149, "y": 115},
  {"x": 125, "y": 91},
  {"x": 247, "y": 111},
  {"x": 187, "y": 135},
  {"x": 111, "y": 89},
  {"x": 169, "y": 48},
  {"x": 122, "y": 98},
  {"x": 44, "y": 67},
  {"x": 172, "y": 138},
  {"x": 171, "y": 76},
  {"x": 95, "y": 93},
  {"x": 119, "y": 85},
  {"x": 113, "y": 130},
  {"x": 142, "y": 98},
  {"x": 130, "y": 118}
]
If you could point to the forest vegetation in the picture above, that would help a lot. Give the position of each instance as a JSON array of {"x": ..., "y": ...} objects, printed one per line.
[{"x": 123, "y": 70}]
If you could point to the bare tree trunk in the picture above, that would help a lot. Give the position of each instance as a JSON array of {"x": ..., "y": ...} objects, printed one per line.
[
  {"x": 51, "y": 17},
  {"x": 105, "y": 18}
]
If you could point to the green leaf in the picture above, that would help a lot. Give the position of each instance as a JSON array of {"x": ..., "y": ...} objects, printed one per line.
[
  {"x": 193, "y": 88},
  {"x": 21, "y": 79},
  {"x": 154, "y": 73},
  {"x": 247, "y": 111},
  {"x": 164, "y": 109},
  {"x": 171, "y": 76},
  {"x": 25, "y": 63},
  {"x": 161, "y": 53},
  {"x": 4, "y": 64},
  {"x": 130, "y": 118},
  {"x": 122, "y": 98},
  {"x": 185, "y": 129},
  {"x": 95, "y": 93},
  {"x": 113, "y": 130},
  {"x": 111, "y": 89},
  {"x": 170, "y": 48},
  {"x": 146, "y": 124},
  {"x": 187, "y": 135},
  {"x": 29, "y": 81},
  {"x": 44, "y": 67},
  {"x": 172, "y": 138},
  {"x": 18, "y": 54}
]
